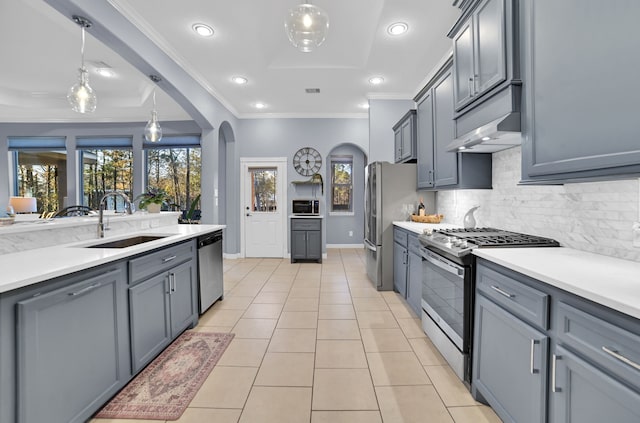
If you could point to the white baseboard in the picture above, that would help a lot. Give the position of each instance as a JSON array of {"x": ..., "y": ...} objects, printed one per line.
[
  {"x": 231, "y": 256},
  {"x": 345, "y": 245}
]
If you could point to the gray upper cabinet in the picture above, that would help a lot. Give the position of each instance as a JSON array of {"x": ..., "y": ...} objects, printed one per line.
[
  {"x": 437, "y": 168},
  {"x": 404, "y": 135},
  {"x": 479, "y": 50},
  {"x": 579, "y": 61}
]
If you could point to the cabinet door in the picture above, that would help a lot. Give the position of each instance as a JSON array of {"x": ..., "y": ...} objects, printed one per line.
[
  {"x": 509, "y": 364},
  {"x": 298, "y": 244},
  {"x": 424, "y": 116},
  {"x": 407, "y": 139},
  {"x": 69, "y": 358},
  {"x": 149, "y": 315},
  {"x": 490, "y": 48},
  {"x": 463, "y": 65},
  {"x": 446, "y": 163},
  {"x": 400, "y": 269},
  {"x": 314, "y": 245},
  {"x": 581, "y": 393},
  {"x": 576, "y": 53},
  {"x": 414, "y": 283},
  {"x": 397, "y": 143},
  {"x": 182, "y": 288}
]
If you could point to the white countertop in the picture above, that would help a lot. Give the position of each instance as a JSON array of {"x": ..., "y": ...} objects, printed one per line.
[
  {"x": 28, "y": 267},
  {"x": 609, "y": 281},
  {"x": 419, "y": 228}
]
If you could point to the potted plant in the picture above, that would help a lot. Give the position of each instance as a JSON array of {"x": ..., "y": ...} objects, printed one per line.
[
  {"x": 152, "y": 200},
  {"x": 191, "y": 215}
]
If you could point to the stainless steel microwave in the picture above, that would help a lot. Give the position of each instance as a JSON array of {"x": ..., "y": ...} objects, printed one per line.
[{"x": 305, "y": 207}]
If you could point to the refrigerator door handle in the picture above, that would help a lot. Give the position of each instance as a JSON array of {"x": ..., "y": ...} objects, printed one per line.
[{"x": 369, "y": 245}]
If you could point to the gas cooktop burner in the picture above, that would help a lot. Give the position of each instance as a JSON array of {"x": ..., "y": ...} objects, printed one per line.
[{"x": 460, "y": 242}]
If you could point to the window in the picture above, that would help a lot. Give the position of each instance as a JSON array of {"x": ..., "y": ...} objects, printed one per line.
[
  {"x": 342, "y": 184},
  {"x": 40, "y": 170},
  {"x": 106, "y": 166},
  {"x": 263, "y": 189},
  {"x": 174, "y": 165}
]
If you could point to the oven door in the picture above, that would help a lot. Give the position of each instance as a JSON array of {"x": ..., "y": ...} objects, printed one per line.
[{"x": 444, "y": 297}]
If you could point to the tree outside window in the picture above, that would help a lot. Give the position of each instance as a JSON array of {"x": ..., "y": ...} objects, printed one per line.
[
  {"x": 342, "y": 184},
  {"x": 177, "y": 171},
  {"x": 42, "y": 174},
  {"x": 106, "y": 170}
]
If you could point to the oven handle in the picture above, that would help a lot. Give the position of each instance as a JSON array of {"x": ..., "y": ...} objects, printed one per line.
[
  {"x": 370, "y": 246},
  {"x": 442, "y": 264}
]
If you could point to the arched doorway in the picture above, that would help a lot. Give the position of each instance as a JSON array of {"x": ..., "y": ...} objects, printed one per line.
[{"x": 226, "y": 197}]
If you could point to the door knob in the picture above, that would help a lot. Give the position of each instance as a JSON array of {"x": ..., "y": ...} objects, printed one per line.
[{"x": 248, "y": 214}]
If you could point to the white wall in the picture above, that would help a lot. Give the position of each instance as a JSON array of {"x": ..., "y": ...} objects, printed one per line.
[{"x": 589, "y": 216}]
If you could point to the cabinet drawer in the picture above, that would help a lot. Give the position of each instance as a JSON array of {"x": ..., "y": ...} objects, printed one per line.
[
  {"x": 525, "y": 302},
  {"x": 400, "y": 237},
  {"x": 159, "y": 261},
  {"x": 611, "y": 347},
  {"x": 414, "y": 244},
  {"x": 305, "y": 224}
]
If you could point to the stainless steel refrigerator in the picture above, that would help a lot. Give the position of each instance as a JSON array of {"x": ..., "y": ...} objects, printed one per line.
[{"x": 389, "y": 188}]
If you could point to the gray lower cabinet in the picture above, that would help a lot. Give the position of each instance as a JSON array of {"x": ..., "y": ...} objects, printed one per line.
[
  {"x": 400, "y": 256},
  {"x": 438, "y": 168},
  {"x": 161, "y": 306},
  {"x": 306, "y": 239},
  {"x": 508, "y": 363},
  {"x": 72, "y": 347},
  {"x": 542, "y": 354},
  {"x": 414, "y": 275},
  {"x": 564, "y": 140}
]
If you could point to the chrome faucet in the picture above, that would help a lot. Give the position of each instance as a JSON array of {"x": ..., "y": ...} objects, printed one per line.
[{"x": 127, "y": 208}]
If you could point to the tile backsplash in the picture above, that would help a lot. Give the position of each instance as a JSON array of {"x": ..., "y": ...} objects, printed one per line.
[{"x": 590, "y": 216}]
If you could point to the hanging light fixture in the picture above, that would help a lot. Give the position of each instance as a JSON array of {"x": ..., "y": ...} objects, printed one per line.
[
  {"x": 306, "y": 26},
  {"x": 153, "y": 131},
  {"x": 81, "y": 95}
]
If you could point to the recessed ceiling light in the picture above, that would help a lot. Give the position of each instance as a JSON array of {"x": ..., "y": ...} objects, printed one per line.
[
  {"x": 107, "y": 73},
  {"x": 376, "y": 80},
  {"x": 486, "y": 138},
  {"x": 462, "y": 147},
  {"x": 364, "y": 105},
  {"x": 240, "y": 80},
  {"x": 397, "y": 28},
  {"x": 260, "y": 105},
  {"x": 203, "y": 30}
]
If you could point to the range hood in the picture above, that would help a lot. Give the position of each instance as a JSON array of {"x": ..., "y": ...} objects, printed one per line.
[{"x": 496, "y": 135}]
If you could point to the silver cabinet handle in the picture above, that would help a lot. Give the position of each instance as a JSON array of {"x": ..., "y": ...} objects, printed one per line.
[
  {"x": 502, "y": 292},
  {"x": 172, "y": 282},
  {"x": 620, "y": 357},
  {"x": 168, "y": 259},
  {"x": 533, "y": 344},
  {"x": 471, "y": 84},
  {"x": 85, "y": 289},
  {"x": 554, "y": 358},
  {"x": 475, "y": 88}
]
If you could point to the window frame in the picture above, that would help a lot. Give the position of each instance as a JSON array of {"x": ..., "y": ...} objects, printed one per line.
[{"x": 335, "y": 159}]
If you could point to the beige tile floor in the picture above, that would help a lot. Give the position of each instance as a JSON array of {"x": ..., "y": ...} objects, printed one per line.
[{"x": 317, "y": 344}]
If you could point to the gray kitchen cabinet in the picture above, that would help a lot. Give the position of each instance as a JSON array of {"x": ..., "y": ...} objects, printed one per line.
[
  {"x": 163, "y": 305},
  {"x": 404, "y": 135},
  {"x": 400, "y": 261},
  {"x": 582, "y": 393},
  {"x": 437, "y": 168},
  {"x": 480, "y": 52},
  {"x": 71, "y": 346},
  {"x": 306, "y": 239},
  {"x": 564, "y": 140},
  {"x": 414, "y": 275},
  {"x": 509, "y": 362}
]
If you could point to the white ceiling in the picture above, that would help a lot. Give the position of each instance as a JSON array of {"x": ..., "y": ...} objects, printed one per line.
[{"x": 40, "y": 61}]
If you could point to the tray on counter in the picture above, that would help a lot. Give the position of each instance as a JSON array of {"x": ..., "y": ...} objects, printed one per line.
[{"x": 429, "y": 218}]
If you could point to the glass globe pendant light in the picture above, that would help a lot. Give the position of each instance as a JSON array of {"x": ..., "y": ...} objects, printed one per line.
[
  {"x": 153, "y": 131},
  {"x": 81, "y": 96},
  {"x": 306, "y": 26}
]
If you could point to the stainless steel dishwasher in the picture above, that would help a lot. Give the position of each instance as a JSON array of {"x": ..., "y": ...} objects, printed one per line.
[{"x": 210, "y": 269}]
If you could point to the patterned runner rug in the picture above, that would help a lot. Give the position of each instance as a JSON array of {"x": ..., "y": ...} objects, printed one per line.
[{"x": 164, "y": 389}]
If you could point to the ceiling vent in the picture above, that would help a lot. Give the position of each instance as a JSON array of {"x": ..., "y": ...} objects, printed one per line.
[{"x": 312, "y": 90}]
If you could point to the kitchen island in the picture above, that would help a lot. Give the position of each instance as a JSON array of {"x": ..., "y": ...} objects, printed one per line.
[{"x": 78, "y": 321}]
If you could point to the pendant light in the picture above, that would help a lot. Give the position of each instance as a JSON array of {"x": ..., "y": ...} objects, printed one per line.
[
  {"x": 81, "y": 95},
  {"x": 153, "y": 131},
  {"x": 306, "y": 26}
]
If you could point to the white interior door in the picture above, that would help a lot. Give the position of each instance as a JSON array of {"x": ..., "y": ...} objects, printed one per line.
[{"x": 264, "y": 207}]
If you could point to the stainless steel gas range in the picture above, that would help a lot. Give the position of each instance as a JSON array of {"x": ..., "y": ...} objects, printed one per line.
[{"x": 448, "y": 285}]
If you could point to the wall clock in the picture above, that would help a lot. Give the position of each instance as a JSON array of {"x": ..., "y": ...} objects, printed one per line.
[{"x": 307, "y": 161}]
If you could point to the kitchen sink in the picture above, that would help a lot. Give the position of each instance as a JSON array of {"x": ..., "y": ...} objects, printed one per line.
[{"x": 127, "y": 242}]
